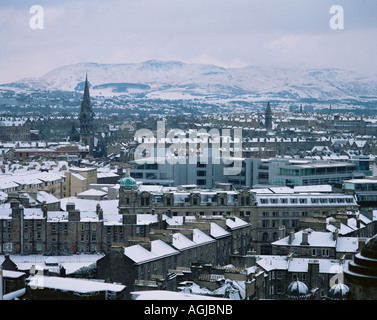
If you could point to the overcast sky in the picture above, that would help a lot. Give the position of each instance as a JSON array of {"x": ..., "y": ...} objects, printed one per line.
[{"x": 229, "y": 33}]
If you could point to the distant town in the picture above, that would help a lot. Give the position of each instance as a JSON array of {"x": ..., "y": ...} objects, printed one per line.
[{"x": 80, "y": 218}]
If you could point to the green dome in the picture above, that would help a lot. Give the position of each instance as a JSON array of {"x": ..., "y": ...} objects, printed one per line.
[{"x": 128, "y": 182}]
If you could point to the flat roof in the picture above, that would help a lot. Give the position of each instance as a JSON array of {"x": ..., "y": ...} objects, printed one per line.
[{"x": 320, "y": 165}]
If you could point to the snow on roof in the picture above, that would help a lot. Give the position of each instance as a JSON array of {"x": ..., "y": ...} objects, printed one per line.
[
  {"x": 47, "y": 197},
  {"x": 109, "y": 207},
  {"x": 71, "y": 263},
  {"x": 217, "y": 231},
  {"x": 169, "y": 295},
  {"x": 199, "y": 237},
  {"x": 182, "y": 242},
  {"x": 347, "y": 244},
  {"x": 73, "y": 284},
  {"x": 78, "y": 176},
  {"x": 194, "y": 288},
  {"x": 12, "y": 274},
  {"x": 315, "y": 239},
  {"x": 139, "y": 254},
  {"x": 146, "y": 219},
  {"x": 271, "y": 262},
  {"x": 92, "y": 192},
  {"x": 234, "y": 223}
]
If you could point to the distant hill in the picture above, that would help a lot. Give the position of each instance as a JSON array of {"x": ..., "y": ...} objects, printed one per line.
[{"x": 177, "y": 80}]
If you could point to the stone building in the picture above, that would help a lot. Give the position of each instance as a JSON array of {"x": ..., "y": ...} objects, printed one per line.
[{"x": 14, "y": 129}]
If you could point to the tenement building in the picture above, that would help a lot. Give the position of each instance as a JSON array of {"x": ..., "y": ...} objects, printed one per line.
[{"x": 265, "y": 209}]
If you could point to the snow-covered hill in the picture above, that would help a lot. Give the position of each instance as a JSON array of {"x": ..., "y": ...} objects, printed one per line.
[{"x": 177, "y": 80}]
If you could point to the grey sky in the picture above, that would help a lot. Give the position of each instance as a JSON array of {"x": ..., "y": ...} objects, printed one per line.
[{"x": 229, "y": 33}]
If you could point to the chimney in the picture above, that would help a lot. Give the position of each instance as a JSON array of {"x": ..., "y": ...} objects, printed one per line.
[
  {"x": 62, "y": 272},
  {"x": 291, "y": 237},
  {"x": 335, "y": 223},
  {"x": 44, "y": 209},
  {"x": 14, "y": 204},
  {"x": 74, "y": 215},
  {"x": 99, "y": 212},
  {"x": 358, "y": 223},
  {"x": 129, "y": 219},
  {"x": 70, "y": 206},
  {"x": 117, "y": 249},
  {"x": 281, "y": 232},
  {"x": 305, "y": 238},
  {"x": 146, "y": 245},
  {"x": 335, "y": 234},
  {"x": 362, "y": 242}
]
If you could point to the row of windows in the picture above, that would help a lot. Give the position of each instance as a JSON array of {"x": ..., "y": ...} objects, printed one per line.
[
  {"x": 305, "y": 200},
  {"x": 292, "y": 223},
  {"x": 284, "y": 214}
]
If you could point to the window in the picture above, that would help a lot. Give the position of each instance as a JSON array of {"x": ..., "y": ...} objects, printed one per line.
[
  {"x": 200, "y": 182},
  {"x": 265, "y": 223}
]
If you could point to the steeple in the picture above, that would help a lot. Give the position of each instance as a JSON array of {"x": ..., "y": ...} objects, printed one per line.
[
  {"x": 86, "y": 113},
  {"x": 268, "y": 117},
  {"x": 86, "y": 90},
  {"x": 86, "y": 118}
]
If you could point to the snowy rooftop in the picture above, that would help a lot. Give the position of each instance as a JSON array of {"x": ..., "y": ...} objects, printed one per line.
[
  {"x": 71, "y": 263},
  {"x": 318, "y": 239},
  {"x": 159, "y": 249},
  {"x": 72, "y": 284},
  {"x": 170, "y": 295},
  {"x": 273, "y": 262}
]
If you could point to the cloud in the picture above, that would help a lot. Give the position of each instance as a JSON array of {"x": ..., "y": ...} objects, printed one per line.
[{"x": 223, "y": 32}]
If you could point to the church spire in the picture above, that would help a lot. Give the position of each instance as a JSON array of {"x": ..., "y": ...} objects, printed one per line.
[
  {"x": 86, "y": 91},
  {"x": 86, "y": 118},
  {"x": 268, "y": 117}
]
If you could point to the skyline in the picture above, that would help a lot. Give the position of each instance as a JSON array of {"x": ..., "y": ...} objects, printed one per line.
[{"x": 228, "y": 34}]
